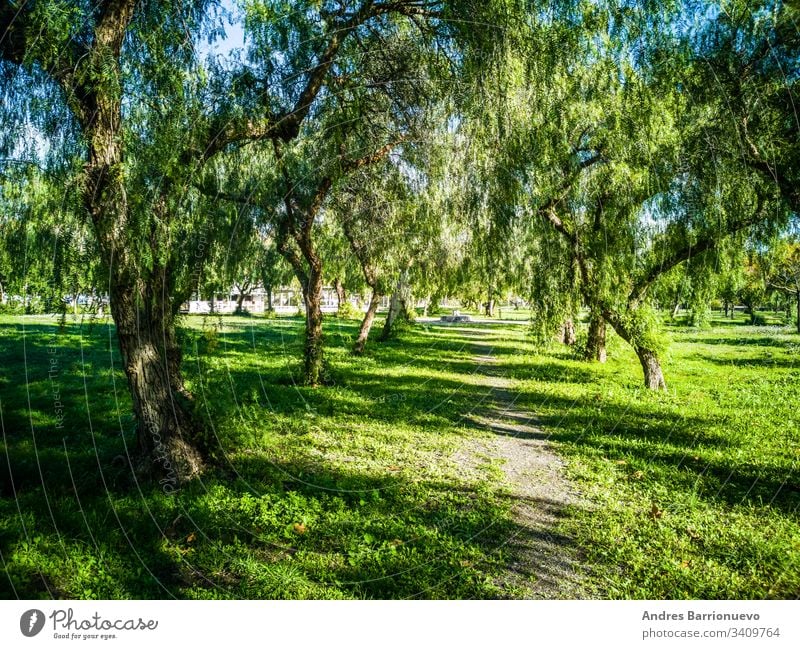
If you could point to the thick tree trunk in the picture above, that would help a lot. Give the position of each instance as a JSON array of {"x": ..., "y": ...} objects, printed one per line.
[
  {"x": 653, "y": 375},
  {"x": 269, "y": 297},
  {"x": 596, "y": 341},
  {"x": 651, "y": 365},
  {"x": 167, "y": 432},
  {"x": 366, "y": 323},
  {"x": 568, "y": 336}
]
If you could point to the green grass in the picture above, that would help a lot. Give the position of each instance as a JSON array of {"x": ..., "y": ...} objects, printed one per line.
[
  {"x": 690, "y": 494},
  {"x": 355, "y": 491},
  {"x": 343, "y": 491}
]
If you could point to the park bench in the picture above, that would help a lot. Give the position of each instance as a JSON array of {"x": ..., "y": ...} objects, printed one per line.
[{"x": 456, "y": 317}]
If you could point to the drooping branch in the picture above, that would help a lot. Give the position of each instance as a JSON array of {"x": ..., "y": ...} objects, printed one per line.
[
  {"x": 225, "y": 130},
  {"x": 708, "y": 241}
]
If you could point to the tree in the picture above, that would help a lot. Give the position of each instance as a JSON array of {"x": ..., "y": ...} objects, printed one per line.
[
  {"x": 339, "y": 86},
  {"x": 88, "y": 61},
  {"x": 784, "y": 274},
  {"x": 371, "y": 215},
  {"x": 608, "y": 153}
]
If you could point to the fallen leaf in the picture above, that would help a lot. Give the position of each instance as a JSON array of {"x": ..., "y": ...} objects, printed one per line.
[
  {"x": 190, "y": 538},
  {"x": 300, "y": 528},
  {"x": 393, "y": 468},
  {"x": 621, "y": 462},
  {"x": 686, "y": 564},
  {"x": 638, "y": 475},
  {"x": 655, "y": 512}
]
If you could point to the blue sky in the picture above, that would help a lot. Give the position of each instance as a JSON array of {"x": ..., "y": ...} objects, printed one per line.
[{"x": 234, "y": 34}]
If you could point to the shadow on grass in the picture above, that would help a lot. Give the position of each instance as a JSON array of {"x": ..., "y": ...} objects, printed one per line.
[
  {"x": 269, "y": 528},
  {"x": 259, "y": 529},
  {"x": 681, "y": 448},
  {"x": 779, "y": 343},
  {"x": 761, "y": 361},
  {"x": 73, "y": 523}
]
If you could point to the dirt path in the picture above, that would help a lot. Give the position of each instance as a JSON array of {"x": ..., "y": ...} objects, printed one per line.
[{"x": 544, "y": 563}]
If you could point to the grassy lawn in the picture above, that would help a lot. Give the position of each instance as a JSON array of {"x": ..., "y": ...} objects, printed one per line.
[
  {"x": 690, "y": 494},
  {"x": 355, "y": 490}
]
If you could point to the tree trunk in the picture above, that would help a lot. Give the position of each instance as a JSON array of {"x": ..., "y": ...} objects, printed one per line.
[
  {"x": 653, "y": 375},
  {"x": 398, "y": 306},
  {"x": 676, "y": 309},
  {"x": 167, "y": 432},
  {"x": 269, "y": 297},
  {"x": 312, "y": 293},
  {"x": 341, "y": 297},
  {"x": 366, "y": 323},
  {"x": 391, "y": 316},
  {"x": 651, "y": 366},
  {"x": 298, "y": 249},
  {"x": 568, "y": 332},
  {"x": 596, "y": 341},
  {"x": 174, "y": 357},
  {"x": 490, "y": 305},
  {"x": 239, "y": 301}
]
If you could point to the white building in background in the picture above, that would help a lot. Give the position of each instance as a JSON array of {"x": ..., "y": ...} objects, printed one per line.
[{"x": 285, "y": 300}]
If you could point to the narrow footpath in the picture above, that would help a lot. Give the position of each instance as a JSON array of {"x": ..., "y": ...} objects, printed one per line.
[{"x": 544, "y": 563}]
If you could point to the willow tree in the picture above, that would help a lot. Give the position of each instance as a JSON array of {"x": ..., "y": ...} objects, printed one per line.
[
  {"x": 47, "y": 253},
  {"x": 604, "y": 149},
  {"x": 784, "y": 275},
  {"x": 394, "y": 225},
  {"x": 82, "y": 78},
  {"x": 331, "y": 87},
  {"x": 370, "y": 211},
  {"x": 744, "y": 59}
]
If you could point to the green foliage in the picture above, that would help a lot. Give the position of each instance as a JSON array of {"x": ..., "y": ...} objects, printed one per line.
[
  {"x": 347, "y": 311},
  {"x": 361, "y": 491},
  {"x": 645, "y": 327}
]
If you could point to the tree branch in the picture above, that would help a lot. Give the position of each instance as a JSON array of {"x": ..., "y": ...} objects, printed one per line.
[{"x": 705, "y": 243}]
